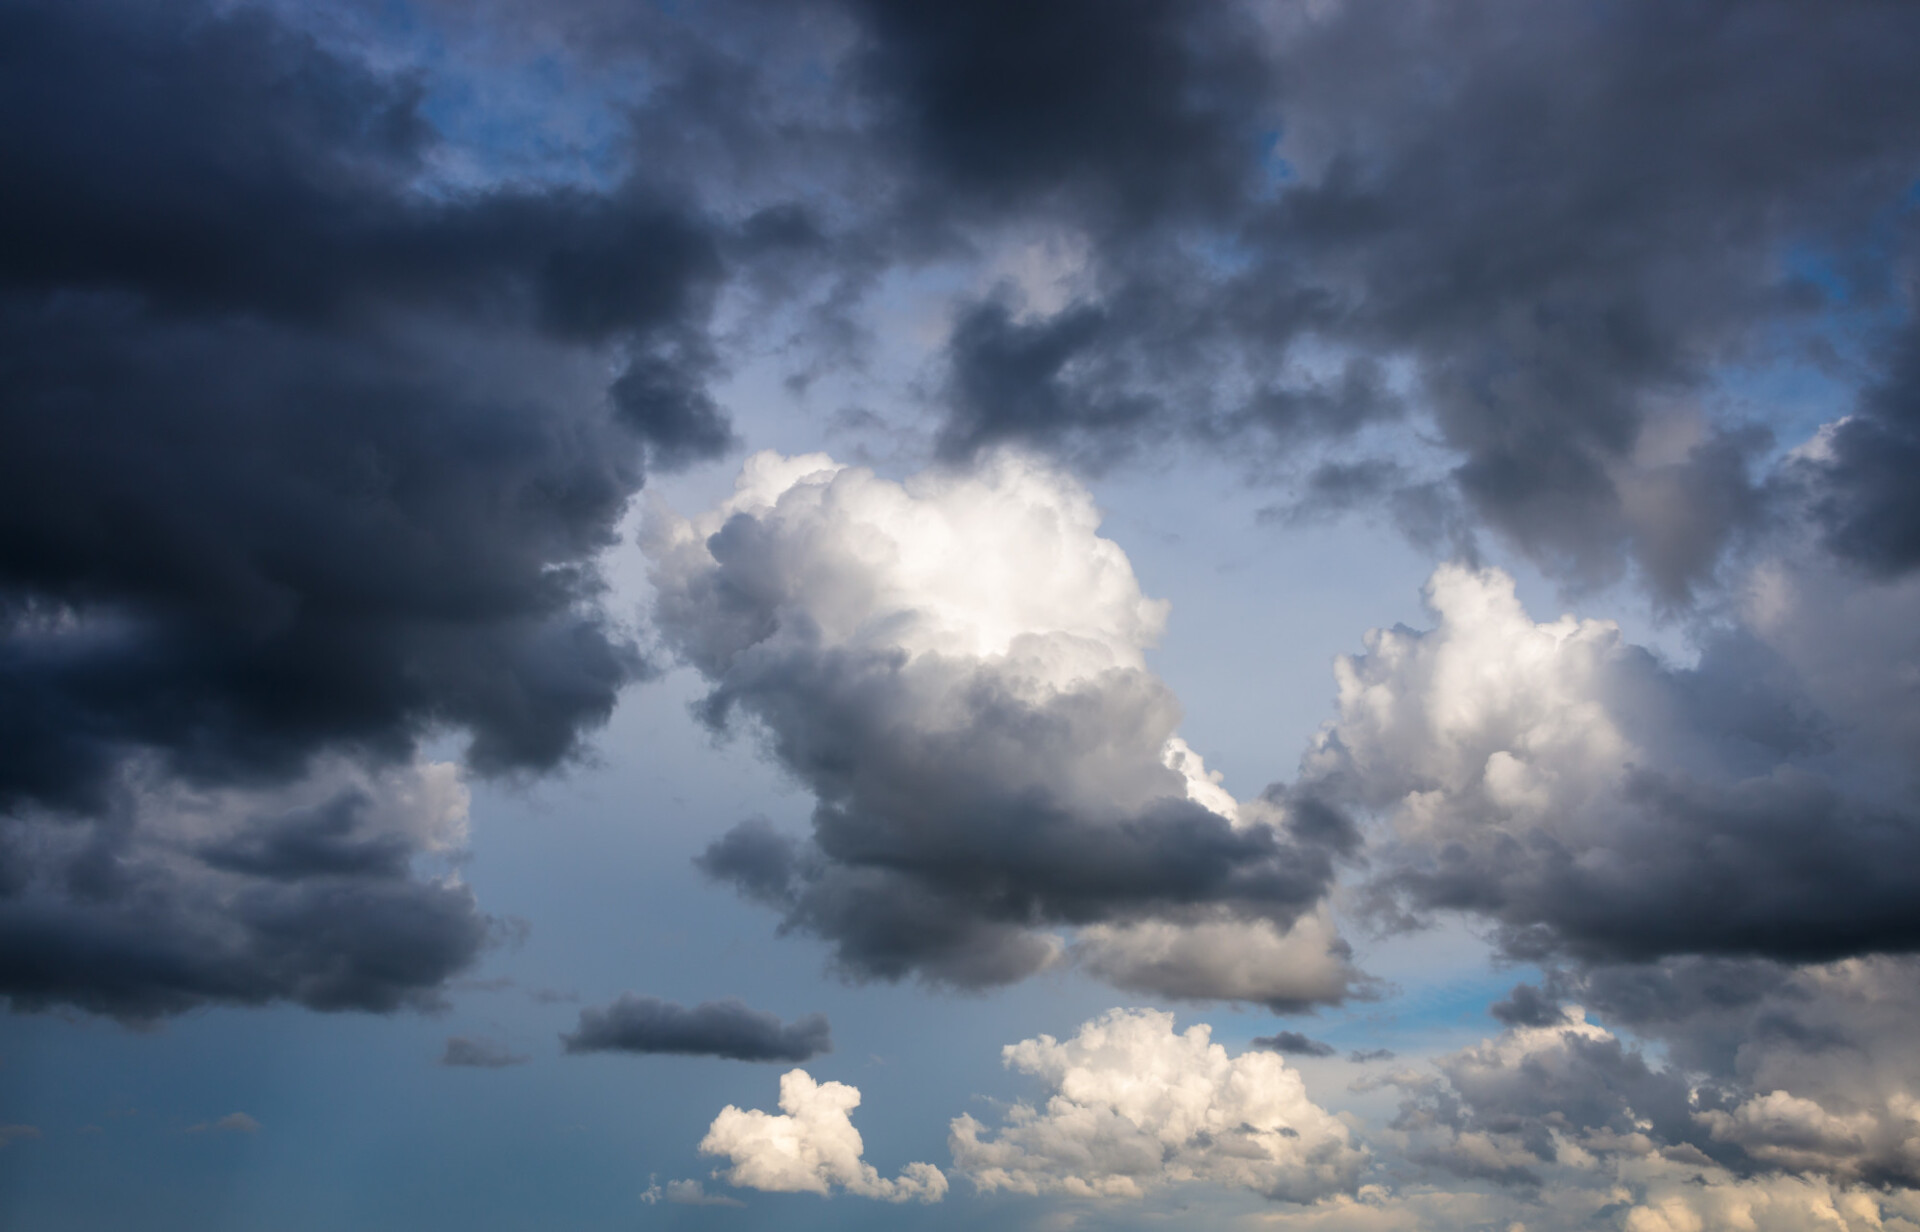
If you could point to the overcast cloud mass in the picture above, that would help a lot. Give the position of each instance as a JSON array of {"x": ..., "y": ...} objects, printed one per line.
[{"x": 1344, "y": 573}]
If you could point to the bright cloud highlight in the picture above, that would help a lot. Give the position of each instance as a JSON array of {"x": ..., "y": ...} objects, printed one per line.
[
  {"x": 810, "y": 1146},
  {"x": 1135, "y": 1106}
]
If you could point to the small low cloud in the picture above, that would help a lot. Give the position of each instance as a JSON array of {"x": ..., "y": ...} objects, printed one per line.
[
  {"x": 10, "y": 1134},
  {"x": 232, "y": 1123},
  {"x": 726, "y": 1028},
  {"x": 477, "y": 1052},
  {"x": 1361, "y": 1056},
  {"x": 1293, "y": 1044},
  {"x": 686, "y": 1193}
]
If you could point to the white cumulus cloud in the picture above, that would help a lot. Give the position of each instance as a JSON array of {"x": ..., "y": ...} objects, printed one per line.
[
  {"x": 810, "y": 1146},
  {"x": 1136, "y": 1105}
]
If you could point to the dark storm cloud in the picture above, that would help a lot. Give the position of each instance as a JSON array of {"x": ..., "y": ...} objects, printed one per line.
[
  {"x": 1783, "y": 866},
  {"x": 1564, "y": 216},
  {"x": 253, "y": 436},
  {"x": 319, "y": 890},
  {"x": 152, "y": 941},
  {"x": 1131, "y": 110},
  {"x": 1526, "y": 1006},
  {"x": 1869, "y": 500},
  {"x": 311, "y": 842},
  {"x": 726, "y": 1028},
  {"x": 1008, "y": 381},
  {"x": 303, "y": 456},
  {"x": 1292, "y": 1043},
  {"x": 1541, "y": 231}
]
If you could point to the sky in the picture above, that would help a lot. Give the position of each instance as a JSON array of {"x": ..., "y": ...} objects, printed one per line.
[{"x": 856, "y": 614}]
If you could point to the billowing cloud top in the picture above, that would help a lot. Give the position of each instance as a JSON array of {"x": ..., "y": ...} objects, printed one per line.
[
  {"x": 1134, "y": 1105},
  {"x": 1006, "y": 564},
  {"x": 811, "y": 1146},
  {"x": 955, "y": 666},
  {"x": 1594, "y": 800}
]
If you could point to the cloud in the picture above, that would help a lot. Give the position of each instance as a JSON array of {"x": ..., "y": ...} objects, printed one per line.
[
  {"x": 1321, "y": 223},
  {"x": 329, "y": 467},
  {"x": 335, "y": 891},
  {"x": 479, "y": 1053},
  {"x": 10, "y": 1134},
  {"x": 232, "y": 1123},
  {"x": 954, "y": 666},
  {"x": 1127, "y": 114},
  {"x": 308, "y": 461},
  {"x": 1292, "y": 1043},
  {"x": 1135, "y": 1106},
  {"x": 1745, "y": 1070},
  {"x": 1226, "y": 959},
  {"x": 1772, "y": 1204},
  {"x": 1527, "y": 1006},
  {"x": 1537, "y": 1096},
  {"x": 1355, "y": 181},
  {"x": 1869, "y": 513},
  {"x": 686, "y": 1193},
  {"x": 811, "y": 1146},
  {"x": 1809, "y": 1069},
  {"x": 725, "y": 1028},
  {"x": 1594, "y": 801}
]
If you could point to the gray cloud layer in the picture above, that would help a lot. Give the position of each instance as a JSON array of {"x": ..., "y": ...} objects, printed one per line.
[
  {"x": 1542, "y": 232},
  {"x": 304, "y": 461},
  {"x": 725, "y": 1028}
]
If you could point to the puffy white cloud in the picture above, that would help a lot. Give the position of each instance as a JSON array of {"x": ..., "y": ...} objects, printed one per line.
[
  {"x": 810, "y": 1146},
  {"x": 1136, "y": 1105},
  {"x": 955, "y": 665},
  {"x": 1007, "y": 562}
]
